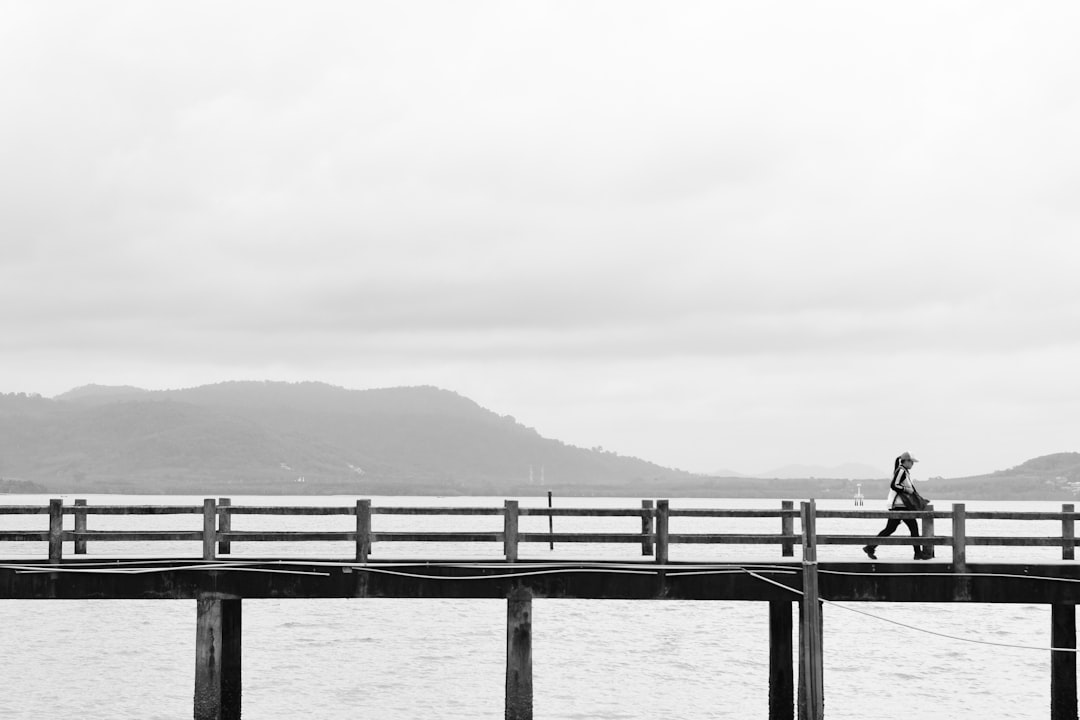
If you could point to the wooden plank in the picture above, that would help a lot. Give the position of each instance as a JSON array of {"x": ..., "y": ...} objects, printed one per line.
[
  {"x": 291, "y": 510},
  {"x": 519, "y": 682},
  {"x": 143, "y": 510},
  {"x": 135, "y": 535},
  {"x": 290, "y": 536},
  {"x": 879, "y": 514},
  {"x": 581, "y": 537},
  {"x": 209, "y": 534},
  {"x": 444, "y": 537},
  {"x": 1010, "y": 540},
  {"x": 781, "y": 664},
  {"x": 875, "y": 540},
  {"x": 510, "y": 530},
  {"x": 811, "y": 656},
  {"x": 217, "y": 658},
  {"x": 728, "y": 539},
  {"x": 984, "y": 515},
  {"x": 647, "y": 527},
  {"x": 224, "y": 525},
  {"x": 363, "y": 530},
  {"x": 436, "y": 511},
  {"x": 701, "y": 512},
  {"x": 580, "y": 512},
  {"x": 24, "y": 510},
  {"x": 56, "y": 530},
  {"x": 24, "y": 535}
]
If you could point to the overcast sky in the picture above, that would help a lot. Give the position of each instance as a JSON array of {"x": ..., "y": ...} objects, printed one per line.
[{"x": 712, "y": 235}]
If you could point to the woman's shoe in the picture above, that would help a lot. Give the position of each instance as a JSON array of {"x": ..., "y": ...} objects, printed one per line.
[
  {"x": 869, "y": 552},
  {"x": 922, "y": 555}
]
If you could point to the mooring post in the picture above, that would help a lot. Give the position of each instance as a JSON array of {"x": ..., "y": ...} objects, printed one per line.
[
  {"x": 1068, "y": 533},
  {"x": 811, "y": 656},
  {"x": 646, "y": 527},
  {"x": 928, "y": 531},
  {"x": 781, "y": 672},
  {"x": 217, "y": 658},
  {"x": 959, "y": 537},
  {"x": 519, "y": 685},
  {"x": 56, "y": 530},
  {"x": 1063, "y": 662},
  {"x": 80, "y": 526},
  {"x": 510, "y": 530},
  {"x": 363, "y": 530},
  {"x": 787, "y": 528},
  {"x": 224, "y": 525},
  {"x": 209, "y": 528}
]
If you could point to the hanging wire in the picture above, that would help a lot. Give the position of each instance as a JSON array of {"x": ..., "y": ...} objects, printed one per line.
[{"x": 913, "y": 627}]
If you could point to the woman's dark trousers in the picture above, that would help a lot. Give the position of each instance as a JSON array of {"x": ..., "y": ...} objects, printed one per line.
[{"x": 890, "y": 528}]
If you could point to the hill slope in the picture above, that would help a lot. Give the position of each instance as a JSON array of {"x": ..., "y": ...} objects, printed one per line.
[{"x": 264, "y": 437}]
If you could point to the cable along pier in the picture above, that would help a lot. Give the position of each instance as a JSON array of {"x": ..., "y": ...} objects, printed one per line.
[{"x": 787, "y": 576}]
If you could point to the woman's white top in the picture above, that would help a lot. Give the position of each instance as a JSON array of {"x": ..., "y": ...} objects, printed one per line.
[{"x": 906, "y": 482}]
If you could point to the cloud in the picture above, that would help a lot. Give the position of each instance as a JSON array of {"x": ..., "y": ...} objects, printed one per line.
[{"x": 745, "y": 220}]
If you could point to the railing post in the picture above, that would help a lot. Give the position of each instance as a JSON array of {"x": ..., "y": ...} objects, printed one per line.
[
  {"x": 811, "y": 656},
  {"x": 787, "y": 527},
  {"x": 518, "y": 704},
  {"x": 1068, "y": 534},
  {"x": 928, "y": 531},
  {"x": 56, "y": 530},
  {"x": 80, "y": 526},
  {"x": 662, "y": 532},
  {"x": 209, "y": 528},
  {"x": 510, "y": 530},
  {"x": 225, "y": 525},
  {"x": 363, "y": 530},
  {"x": 646, "y": 527},
  {"x": 551, "y": 526},
  {"x": 959, "y": 537}
]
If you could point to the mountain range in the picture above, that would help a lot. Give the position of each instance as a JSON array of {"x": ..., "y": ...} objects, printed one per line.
[
  {"x": 273, "y": 437},
  {"x": 314, "y": 438}
]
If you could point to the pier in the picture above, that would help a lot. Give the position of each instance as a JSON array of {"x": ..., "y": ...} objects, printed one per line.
[{"x": 788, "y": 576}]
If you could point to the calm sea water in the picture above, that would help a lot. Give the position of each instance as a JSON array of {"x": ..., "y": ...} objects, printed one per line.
[{"x": 604, "y": 659}]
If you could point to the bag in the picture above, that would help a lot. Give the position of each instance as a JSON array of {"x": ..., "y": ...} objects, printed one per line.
[{"x": 913, "y": 500}]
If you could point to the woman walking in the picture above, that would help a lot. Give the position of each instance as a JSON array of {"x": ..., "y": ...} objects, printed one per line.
[{"x": 902, "y": 484}]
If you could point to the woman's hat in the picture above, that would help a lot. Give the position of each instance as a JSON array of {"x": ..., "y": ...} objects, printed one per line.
[{"x": 907, "y": 456}]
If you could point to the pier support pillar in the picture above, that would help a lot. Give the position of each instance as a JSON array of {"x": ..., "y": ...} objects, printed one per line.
[
  {"x": 1063, "y": 664},
  {"x": 519, "y": 686},
  {"x": 217, "y": 659},
  {"x": 781, "y": 673},
  {"x": 811, "y": 665}
]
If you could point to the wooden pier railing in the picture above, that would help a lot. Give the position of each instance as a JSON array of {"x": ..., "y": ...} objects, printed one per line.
[
  {"x": 365, "y": 572},
  {"x": 655, "y": 538}
]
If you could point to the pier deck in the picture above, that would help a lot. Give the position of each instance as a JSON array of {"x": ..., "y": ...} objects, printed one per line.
[
  {"x": 259, "y": 578},
  {"x": 219, "y": 581}
]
